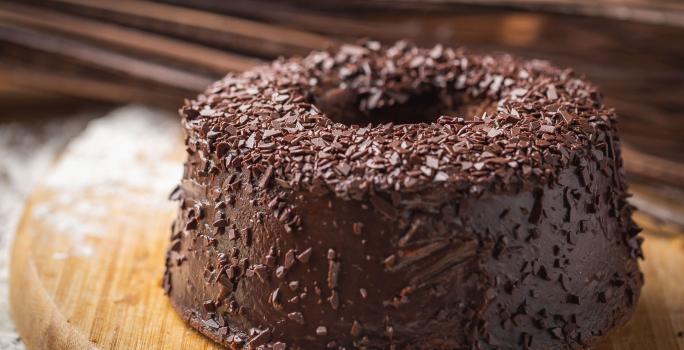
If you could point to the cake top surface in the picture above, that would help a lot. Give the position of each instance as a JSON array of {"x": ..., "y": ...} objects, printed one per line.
[{"x": 362, "y": 119}]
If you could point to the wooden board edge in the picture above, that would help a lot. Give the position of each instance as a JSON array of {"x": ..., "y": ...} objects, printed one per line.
[{"x": 27, "y": 290}]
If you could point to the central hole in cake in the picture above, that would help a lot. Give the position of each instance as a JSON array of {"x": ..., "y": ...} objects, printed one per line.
[{"x": 349, "y": 107}]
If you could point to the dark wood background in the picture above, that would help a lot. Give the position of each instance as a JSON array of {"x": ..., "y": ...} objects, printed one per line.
[{"x": 159, "y": 52}]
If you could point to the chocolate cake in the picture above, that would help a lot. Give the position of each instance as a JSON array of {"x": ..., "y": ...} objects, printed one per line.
[{"x": 394, "y": 197}]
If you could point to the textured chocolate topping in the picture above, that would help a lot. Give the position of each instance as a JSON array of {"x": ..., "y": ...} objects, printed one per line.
[{"x": 379, "y": 197}]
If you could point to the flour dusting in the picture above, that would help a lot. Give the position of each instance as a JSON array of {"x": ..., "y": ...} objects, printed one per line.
[
  {"x": 127, "y": 147},
  {"x": 28, "y": 148},
  {"x": 120, "y": 163}
]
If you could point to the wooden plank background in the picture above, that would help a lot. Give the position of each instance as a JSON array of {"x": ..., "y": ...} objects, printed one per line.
[{"x": 160, "y": 52}]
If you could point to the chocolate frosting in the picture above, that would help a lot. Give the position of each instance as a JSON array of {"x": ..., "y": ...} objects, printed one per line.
[{"x": 397, "y": 197}]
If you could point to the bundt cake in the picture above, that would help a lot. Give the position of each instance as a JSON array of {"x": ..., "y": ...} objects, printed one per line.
[{"x": 395, "y": 197}]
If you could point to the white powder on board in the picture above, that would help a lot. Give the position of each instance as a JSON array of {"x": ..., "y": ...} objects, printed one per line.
[
  {"x": 28, "y": 148},
  {"x": 129, "y": 147},
  {"x": 126, "y": 155}
]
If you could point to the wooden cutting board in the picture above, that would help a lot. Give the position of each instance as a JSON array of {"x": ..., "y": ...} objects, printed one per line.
[{"x": 88, "y": 257}]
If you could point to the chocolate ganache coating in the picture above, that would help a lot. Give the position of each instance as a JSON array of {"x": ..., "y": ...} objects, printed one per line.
[{"x": 394, "y": 197}]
